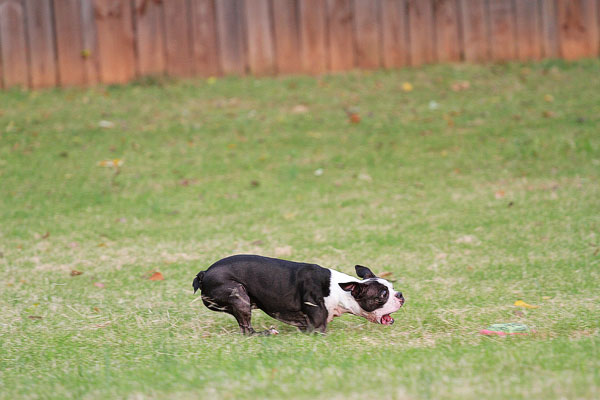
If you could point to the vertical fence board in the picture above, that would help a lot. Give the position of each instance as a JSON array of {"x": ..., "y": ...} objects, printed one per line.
[
  {"x": 549, "y": 28},
  {"x": 180, "y": 60},
  {"x": 69, "y": 42},
  {"x": 420, "y": 20},
  {"x": 341, "y": 47},
  {"x": 261, "y": 51},
  {"x": 367, "y": 34},
  {"x": 287, "y": 38},
  {"x": 90, "y": 55},
  {"x": 204, "y": 38},
  {"x": 115, "y": 40},
  {"x": 502, "y": 30},
  {"x": 230, "y": 29},
  {"x": 394, "y": 33},
  {"x": 313, "y": 36},
  {"x": 447, "y": 39},
  {"x": 150, "y": 37},
  {"x": 475, "y": 30},
  {"x": 13, "y": 45},
  {"x": 42, "y": 62},
  {"x": 577, "y": 28},
  {"x": 528, "y": 30}
]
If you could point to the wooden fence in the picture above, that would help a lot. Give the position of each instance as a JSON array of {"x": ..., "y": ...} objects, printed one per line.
[{"x": 83, "y": 42}]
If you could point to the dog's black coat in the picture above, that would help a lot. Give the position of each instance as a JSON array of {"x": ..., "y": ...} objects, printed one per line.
[{"x": 289, "y": 291}]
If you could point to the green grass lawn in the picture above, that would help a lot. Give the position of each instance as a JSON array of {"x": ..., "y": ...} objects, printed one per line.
[{"x": 472, "y": 196}]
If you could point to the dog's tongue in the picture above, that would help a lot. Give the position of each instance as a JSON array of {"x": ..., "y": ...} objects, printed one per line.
[{"x": 387, "y": 320}]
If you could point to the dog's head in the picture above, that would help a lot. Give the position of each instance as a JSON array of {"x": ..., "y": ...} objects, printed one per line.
[{"x": 375, "y": 296}]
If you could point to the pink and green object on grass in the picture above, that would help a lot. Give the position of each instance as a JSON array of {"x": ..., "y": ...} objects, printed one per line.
[{"x": 506, "y": 329}]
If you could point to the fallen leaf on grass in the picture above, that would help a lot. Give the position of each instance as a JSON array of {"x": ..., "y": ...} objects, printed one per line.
[
  {"x": 115, "y": 163},
  {"x": 548, "y": 114},
  {"x": 188, "y": 182},
  {"x": 499, "y": 194},
  {"x": 34, "y": 317},
  {"x": 99, "y": 284},
  {"x": 300, "y": 109},
  {"x": 549, "y": 98},
  {"x": 106, "y": 124},
  {"x": 157, "y": 276},
  {"x": 354, "y": 118},
  {"x": 521, "y": 303},
  {"x": 76, "y": 273},
  {"x": 460, "y": 86},
  {"x": 433, "y": 105},
  {"x": 407, "y": 87}
]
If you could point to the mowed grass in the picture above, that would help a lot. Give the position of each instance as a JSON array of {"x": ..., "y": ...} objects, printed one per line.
[{"x": 472, "y": 196}]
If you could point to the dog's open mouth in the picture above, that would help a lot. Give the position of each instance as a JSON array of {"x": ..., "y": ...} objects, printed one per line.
[{"x": 386, "y": 320}]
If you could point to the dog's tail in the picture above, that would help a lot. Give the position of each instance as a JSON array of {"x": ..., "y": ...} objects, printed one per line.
[{"x": 197, "y": 284}]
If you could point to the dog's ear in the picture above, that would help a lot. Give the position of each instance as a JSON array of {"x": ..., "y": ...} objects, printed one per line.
[
  {"x": 364, "y": 272},
  {"x": 196, "y": 284},
  {"x": 355, "y": 288}
]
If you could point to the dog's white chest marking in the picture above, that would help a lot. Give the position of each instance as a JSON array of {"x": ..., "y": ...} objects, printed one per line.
[{"x": 339, "y": 301}]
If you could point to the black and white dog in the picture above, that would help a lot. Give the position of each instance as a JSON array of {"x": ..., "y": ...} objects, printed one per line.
[{"x": 303, "y": 295}]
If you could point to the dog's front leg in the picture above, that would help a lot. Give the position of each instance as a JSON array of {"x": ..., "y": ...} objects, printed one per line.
[{"x": 316, "y": 317}]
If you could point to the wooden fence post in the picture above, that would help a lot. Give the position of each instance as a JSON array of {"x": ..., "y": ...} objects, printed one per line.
[
  {"x": 287, "y": 36},
  {"x": 528, "y": 30},
  {"x": 261, "y": 49},
  {"x": 40, "y": 31},
  {"x": 313, "y": 36},
  {"x": 447, "y": 38},
  {"x": 367, "y": 33},
  {"x": 549, "y": 28},
  {"x": 420, "y": 15},
  {"x": 394, "y": 26},
  {"x": 178, "y": 35},
  {"x": 475, "y": 30},
  {"x": 340, "y": 16},
  {"x": 204, "y": 38},
  {"x": 13, "y": 43},
  {"x": 502, "y": 30},
  {"x": 230, "y": 28},
  {"x": 578, "y": 28},
  {"x": 150, "y": 37},
  {"x": 115, "y": 40}
]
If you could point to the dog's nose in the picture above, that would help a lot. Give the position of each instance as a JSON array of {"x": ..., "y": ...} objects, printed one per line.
[{"x": 399, "y": 295}]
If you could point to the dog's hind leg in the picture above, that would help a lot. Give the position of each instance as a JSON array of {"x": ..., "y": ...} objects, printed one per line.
[
  {"x": 232, "y": 298},
  {"x": 241, "y": 308},
  {"x": 242, "y": 311}
]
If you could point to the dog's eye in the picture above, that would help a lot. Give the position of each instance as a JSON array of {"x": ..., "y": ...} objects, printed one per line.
[{"x": 383, "y": 293}]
